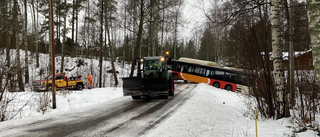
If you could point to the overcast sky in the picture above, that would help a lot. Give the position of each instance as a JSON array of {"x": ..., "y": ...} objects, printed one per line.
[{"x": 193, "y": 17}]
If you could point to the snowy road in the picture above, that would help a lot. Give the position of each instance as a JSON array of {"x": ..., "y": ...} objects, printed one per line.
[{"x": 122, "y": 117}]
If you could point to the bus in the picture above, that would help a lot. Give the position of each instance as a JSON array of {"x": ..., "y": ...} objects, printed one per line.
[{"x": 201, "y": 72}]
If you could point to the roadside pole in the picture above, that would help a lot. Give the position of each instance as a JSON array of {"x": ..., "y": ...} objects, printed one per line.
[
  {"x": 52, "y": 57},
  {"x": 255, "y": 117}
]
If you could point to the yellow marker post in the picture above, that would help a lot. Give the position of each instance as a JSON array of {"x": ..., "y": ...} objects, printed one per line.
[{"x": 255, "y": 114}]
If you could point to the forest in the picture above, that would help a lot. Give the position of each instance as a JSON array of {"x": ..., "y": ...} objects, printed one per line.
[{"x": 246, "y": 34}]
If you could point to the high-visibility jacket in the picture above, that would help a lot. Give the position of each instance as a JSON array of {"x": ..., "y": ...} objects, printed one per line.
[
  {"x": 90, "y": 80},
  {"x": 89, "y": 77}
]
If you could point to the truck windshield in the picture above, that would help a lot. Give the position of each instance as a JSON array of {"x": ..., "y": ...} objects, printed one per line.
[
  {"x": 151, "y": 64},
  {"x": 49, "y": 77}
]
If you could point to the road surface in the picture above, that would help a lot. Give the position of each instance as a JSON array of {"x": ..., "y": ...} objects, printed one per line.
[{"x": 123, "y": 117}]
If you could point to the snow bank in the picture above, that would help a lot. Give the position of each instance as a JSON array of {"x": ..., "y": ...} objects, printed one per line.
[{"x": 213, "y": 112}]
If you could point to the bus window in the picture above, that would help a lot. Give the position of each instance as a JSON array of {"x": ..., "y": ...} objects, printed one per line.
[
  {"x": 203, "y": 72},
  {"x": 177, "y": 67},
  {"x": 197, "y": 71},
  {"x": 219, "y": 75},
  {"x": 231, "y": 77},
  {"x": 207, "y": 73},
  {"x": 191, "y": 70},
  {"x": 184, "y": 68},
  {"x": 210, "y": 73}
]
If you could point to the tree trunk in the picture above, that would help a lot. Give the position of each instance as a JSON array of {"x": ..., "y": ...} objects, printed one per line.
[
  {"x": 314, "y": 29},
  {"x": 35, "y": 30},
  {"x": 64, "y": 38},
  {"x": 101, "y": 44},
  {"x": 26, "y": 75},
  {"x": 72, "y": 30},
  {"x": 162, "y": 26},
  {"x": 139, "y": 38},
  {"x": 277, "y": 58},
  {"x": 111, "y": 49},
  {"x": 16, "y": 37},
  {"x": 77, "y": 12}
]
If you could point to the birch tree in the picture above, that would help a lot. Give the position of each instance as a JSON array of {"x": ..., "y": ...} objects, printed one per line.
[
  {"x": 277, "y": 58},
  {"x": 313, "y": 10}
]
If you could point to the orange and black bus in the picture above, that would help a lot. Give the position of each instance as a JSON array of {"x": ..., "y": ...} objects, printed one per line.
[{"x": 206, "y": 72}]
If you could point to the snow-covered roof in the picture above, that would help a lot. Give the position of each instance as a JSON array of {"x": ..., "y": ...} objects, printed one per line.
[{"x": 285, "y": 55}]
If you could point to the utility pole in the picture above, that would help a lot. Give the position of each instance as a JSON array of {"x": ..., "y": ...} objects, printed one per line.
[
  {"x": 291, "y": 55},
  {"x": 52, "y": 57}
]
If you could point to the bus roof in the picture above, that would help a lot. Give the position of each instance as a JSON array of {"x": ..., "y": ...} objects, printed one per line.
[
  {"x": 208, "y": 63},
  {"x": 198, "y": 61}
]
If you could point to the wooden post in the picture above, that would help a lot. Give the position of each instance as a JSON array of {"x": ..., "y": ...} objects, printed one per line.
[{"x": 52, "y": 57}]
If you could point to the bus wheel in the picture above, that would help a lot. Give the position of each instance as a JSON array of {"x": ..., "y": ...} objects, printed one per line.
[
  {"x": 228, "y": 87},
  {"x": 175, "y": 76},
  {"x": 216, "y": 84}
]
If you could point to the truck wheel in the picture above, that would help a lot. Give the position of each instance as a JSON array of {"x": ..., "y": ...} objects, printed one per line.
[
  {"x": 79, "y": 87},
  {"x": 171, "y": 87},
  {"x": 136, "y": 97},
  {"x": 49, "y": 88}
]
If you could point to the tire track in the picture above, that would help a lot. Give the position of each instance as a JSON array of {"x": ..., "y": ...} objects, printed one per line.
[{"x": 124, "y": 117}]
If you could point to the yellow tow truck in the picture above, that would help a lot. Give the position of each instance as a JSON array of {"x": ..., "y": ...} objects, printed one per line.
[{"x": 61, "y": 82}]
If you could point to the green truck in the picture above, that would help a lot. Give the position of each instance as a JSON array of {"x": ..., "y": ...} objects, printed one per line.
[{"x": 154, "y": 78}]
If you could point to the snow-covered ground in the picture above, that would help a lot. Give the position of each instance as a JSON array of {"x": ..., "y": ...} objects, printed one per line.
[
  {"x": 209, "y": 112},
  {"x": 89, "y": 66}
]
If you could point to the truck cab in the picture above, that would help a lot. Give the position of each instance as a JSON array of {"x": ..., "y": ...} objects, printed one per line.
[{"x": 153, "y": 79}]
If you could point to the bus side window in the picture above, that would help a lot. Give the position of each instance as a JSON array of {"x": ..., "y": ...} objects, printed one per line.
[
  {"x": 203, "y": 72},
  {"x": 184, "y": 68},
  {"x": 191, "y": 70},
  {"x": 230, "y": 77},
  {"x": 208, "y": 73},
  {"x": 219, "y": 75},
  {"x": 176, "y": 66},
  {"x": 197, "y": 71}
]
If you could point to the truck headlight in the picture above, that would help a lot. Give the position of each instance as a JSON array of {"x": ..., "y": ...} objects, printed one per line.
[{"x": 162, "y": 59}]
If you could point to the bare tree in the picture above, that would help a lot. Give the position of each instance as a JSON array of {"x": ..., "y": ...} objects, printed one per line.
[
  {"x": 25, "y": 42},
  {"x": 17, "y": 43},
  {"x": 110, "y": 10},
  {"x": 101, "y": 41},
  {"x": 35, "y": 29},
  {"x": 314, "y": 19},
  {"x": 142, "y": 14}
]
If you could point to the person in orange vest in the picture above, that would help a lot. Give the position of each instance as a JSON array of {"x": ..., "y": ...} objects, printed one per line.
[{"x": 90, "y": 85}]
